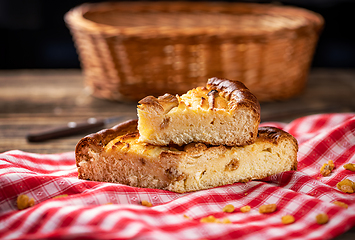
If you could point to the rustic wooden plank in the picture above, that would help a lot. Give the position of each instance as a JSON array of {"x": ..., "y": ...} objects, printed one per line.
[
  {"x": 13, "y": 132},
  {"x": 328, "y": 90}
]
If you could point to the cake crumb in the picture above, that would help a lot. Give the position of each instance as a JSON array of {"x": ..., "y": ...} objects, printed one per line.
[
  {"x": 346, "y": 186},
  {"x": 327, "y": 168},
  {"x": 350, "y": 166}
]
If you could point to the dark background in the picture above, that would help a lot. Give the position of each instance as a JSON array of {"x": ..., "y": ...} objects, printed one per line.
[{"x": 33, "y": 33}]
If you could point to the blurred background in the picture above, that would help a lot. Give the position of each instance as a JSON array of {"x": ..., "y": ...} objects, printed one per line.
[{"x": 34, "y": 35}]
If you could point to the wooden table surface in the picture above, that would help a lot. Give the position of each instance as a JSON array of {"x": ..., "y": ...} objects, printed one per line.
[{"x": 32, "y": 100}]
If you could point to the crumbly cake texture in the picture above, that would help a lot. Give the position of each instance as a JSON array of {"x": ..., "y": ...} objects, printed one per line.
[
  {"x": 224, "y": 112},
  {"x": 116, "y": 155}
]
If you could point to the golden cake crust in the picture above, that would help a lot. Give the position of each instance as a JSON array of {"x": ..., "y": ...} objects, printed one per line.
[
  {"x": 97, "y": 141},
  {"x": 235, "y": 92}
]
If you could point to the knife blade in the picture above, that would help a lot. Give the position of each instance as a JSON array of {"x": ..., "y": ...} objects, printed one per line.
[{"x": 72, "y": 128}]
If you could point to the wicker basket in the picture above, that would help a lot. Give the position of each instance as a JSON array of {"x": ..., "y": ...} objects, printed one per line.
[{"x": 129, "y": 50}]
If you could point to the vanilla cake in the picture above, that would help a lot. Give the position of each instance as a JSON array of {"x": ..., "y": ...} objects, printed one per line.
[
  {"x": 118, "y": 156},
  {"x": 224, "y": 112}
]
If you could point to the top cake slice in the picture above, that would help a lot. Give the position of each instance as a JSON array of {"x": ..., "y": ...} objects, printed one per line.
[{"x": 224, "y": 112}]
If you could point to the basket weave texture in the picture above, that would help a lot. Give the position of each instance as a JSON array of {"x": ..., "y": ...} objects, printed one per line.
[{"x": 129, "y": 50}]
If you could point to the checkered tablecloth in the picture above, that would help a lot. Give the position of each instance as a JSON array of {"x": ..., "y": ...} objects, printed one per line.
[{"x": 94, "y": 210}]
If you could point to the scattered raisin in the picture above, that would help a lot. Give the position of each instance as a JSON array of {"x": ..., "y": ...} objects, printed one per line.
[
  {"x": 341, "y": 204},
  {"x": 268, "y": 208},
  {"x": 245, "y": 209},
  {"x": 212, "y": 219},
  {"x": 288, "y": 219},
  {"x": 146, "y": 203},
  {"x": 61, "y": 196},
  {"x": 322, "y": 218},
  {"x": 209, "y": 219},
  {"x": 226, "y": 221},
  {"x": 228, "y": 208},
  {"x": 23, "y": 201}
]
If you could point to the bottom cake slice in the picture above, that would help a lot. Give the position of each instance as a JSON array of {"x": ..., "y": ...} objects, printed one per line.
[{"x": 115, "y": 155}]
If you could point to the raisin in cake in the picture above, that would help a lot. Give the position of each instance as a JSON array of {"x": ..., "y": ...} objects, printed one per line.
[
  {"x": 116, "y": 155},
  {"x": 224, "y": 112}
]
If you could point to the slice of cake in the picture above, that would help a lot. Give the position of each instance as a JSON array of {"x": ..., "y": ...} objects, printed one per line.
[
  {"x": 224, "y": 112},
  {"x": 116, "y": 155}
]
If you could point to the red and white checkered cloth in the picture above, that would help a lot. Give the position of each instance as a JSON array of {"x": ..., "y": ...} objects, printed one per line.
[{"x": 85, "y": 214}]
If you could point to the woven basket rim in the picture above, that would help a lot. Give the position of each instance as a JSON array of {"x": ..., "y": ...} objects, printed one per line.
[{"x": 75, "y": 18}]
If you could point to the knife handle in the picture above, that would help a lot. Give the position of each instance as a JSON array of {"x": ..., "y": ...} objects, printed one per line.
[{"x": 72, "y": 128}]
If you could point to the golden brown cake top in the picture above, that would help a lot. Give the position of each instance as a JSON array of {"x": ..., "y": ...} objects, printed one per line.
[
  {"x": 219, "y": 94},
  {"x": 235, "y": 92}
]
